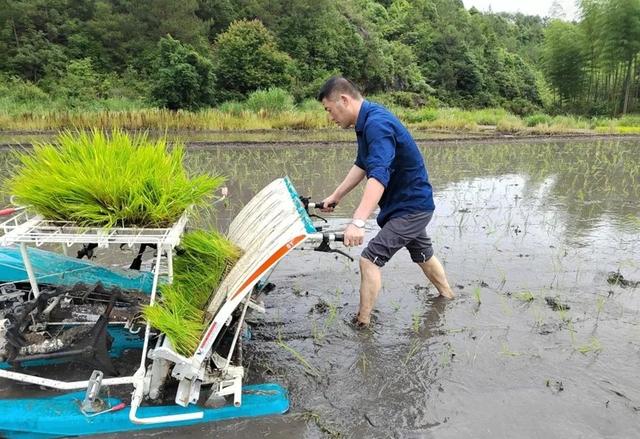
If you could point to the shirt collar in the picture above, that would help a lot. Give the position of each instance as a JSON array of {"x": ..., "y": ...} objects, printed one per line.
[{"x": 362, "y": 116}]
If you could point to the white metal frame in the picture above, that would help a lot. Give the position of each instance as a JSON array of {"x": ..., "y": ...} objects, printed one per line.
[
  {"x": 27, "y": 228},
  {"x": 268, "y": 227}
]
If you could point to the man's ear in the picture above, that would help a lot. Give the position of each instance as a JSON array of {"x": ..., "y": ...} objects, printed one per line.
[{"x": 345, "y": 99}]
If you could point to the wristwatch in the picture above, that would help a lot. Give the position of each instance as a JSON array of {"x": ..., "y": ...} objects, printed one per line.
[{"x": 358, "y": 223}]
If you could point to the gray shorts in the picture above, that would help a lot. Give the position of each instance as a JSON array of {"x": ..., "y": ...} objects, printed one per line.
[{"x": 405, "y": 231}]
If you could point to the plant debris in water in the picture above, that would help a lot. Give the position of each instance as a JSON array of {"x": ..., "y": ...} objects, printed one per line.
[
  {"x": 616, "y": 278},
  {"x": 199, "y": 266},
  {"x": 108, "y": 180},
  {"x": 555, "y": 304}
]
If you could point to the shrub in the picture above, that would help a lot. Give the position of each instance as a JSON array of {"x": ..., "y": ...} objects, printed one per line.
[
  {"x": 248, "y": 59},
  {"x": 538, "y": 119},
  {"x": 310, "y": 105},
  {"x": 421, "y": 115},
  {"x": 234, "y": 108},
  {"x": 273, "y": 100},
  {"x": 182, "y": 78}
]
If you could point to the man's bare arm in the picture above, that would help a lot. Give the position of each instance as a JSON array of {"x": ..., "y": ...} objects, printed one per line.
[
  {"x": 372, "y": 193},
  {"x": 353, "y": 178}
]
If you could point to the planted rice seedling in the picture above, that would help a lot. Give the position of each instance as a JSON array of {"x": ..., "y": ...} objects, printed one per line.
[
  {"x": 504, "y": 350},
  {"x": 298, "y": 356},
  {"x": 107, "y": 180},
  {"x": 594, "y": 345},
  {"x": 477, "y": 295},
  {"x": 525, "y": 296},
  {"x": 416, "y": 345}
]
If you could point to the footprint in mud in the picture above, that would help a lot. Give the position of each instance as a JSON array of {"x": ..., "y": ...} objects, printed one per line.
[
  {"x": 549, "y": 328},
  {"x": 555, "y": 304},
  {"x": 616, "y": 278},
  {"x": 321, "y": 307},
  {"x": 555, "y": 386}
]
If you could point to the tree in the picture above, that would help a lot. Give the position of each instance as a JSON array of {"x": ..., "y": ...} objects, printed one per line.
[
  {"x": 621, "y": 39},
  {"x": 556, "y": 11},
  {"x": 563, "y": 58},
  {"x": 247, "y": 58},
  {"x": 182, "y": 78}
]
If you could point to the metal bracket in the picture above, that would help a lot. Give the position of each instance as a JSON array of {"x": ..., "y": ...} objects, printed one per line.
[
  {"x": 231, "y": 384},
  {"x": 91, "y": 402}
]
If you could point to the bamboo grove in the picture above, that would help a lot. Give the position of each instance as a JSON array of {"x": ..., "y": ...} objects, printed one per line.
[{"x": 593, "y": 64}]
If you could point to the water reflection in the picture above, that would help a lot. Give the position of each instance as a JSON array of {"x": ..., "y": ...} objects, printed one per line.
[{"x": 582, "y": 183}]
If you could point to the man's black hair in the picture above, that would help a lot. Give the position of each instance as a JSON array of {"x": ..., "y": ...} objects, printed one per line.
[{"x": 339, "y": 85}]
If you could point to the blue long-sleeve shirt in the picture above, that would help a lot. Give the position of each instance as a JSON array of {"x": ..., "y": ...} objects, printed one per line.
[{"x": 388, "y": 153}]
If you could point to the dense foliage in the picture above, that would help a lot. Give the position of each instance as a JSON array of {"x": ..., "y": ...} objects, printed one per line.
[{"x": 199, "y": 53}]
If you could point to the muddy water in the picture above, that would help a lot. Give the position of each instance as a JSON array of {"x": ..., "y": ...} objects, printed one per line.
[{"x": 519, "y": 228}]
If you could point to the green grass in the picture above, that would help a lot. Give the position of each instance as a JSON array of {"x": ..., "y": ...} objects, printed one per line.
[
  {"x": 23, "y": 106},
  {"x": 204, "y": 257},
  {"x": 107, "y": 180}
]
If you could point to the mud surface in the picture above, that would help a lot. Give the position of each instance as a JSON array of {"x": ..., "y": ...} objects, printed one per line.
[{"x": 542, "y": 340}]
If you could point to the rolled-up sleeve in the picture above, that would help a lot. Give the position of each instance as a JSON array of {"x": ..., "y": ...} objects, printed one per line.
[{"x": 382, "y": 150}]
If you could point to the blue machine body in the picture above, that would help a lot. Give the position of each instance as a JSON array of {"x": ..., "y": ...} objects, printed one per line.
[{"x": 60, "y": 416}]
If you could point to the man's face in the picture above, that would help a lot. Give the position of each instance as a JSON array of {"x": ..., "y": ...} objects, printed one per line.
[{"x": 338, "y": 109}]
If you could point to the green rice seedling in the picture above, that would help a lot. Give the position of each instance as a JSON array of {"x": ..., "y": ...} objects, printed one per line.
[
  {"x": 318, "y": 335},
  {"x": 325, "y": 427},
  {"x": 593, "y": 345},
  {"x": 204, "y": 258},
  {"x": 525, "y": 296},
  {"x": 416, "y": 345},
  {"x": 199, "y": 266},
  {"x": 179, "y": 320},
  {"x": 508, "y": 352},
  {"x": 332, "y": 315},
  {"x": 107, "y": 180},
  {"x": 364, "y": 362},
  {"x": 476, "y": 295},
  {"x": 415, "y": 321},
  {"x": 298, "y": 356},
  {"x": 564, "y": 314}
]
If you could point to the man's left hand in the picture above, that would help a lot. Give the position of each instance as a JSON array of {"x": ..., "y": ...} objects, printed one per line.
[{"x": 353, "y": 236}]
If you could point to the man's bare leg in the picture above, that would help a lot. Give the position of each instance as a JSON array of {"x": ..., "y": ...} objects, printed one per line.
[
  {"x": 370, "y": 285},
  {"x": 434, "y": 271}
]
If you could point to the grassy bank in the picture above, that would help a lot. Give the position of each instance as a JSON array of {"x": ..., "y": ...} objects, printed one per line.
[{"x": 266, "y": 113}]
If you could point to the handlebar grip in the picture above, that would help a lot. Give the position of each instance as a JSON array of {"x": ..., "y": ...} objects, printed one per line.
[
  {"x": 320, "y": 205},
  {"x": 339, "y": 237}
]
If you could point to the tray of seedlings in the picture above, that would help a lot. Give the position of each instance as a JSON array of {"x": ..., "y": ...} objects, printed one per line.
[{"x": 71, "y": 326}]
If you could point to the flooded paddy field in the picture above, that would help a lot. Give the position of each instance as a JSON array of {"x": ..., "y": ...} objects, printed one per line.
[{"x": 541, "y": 243}]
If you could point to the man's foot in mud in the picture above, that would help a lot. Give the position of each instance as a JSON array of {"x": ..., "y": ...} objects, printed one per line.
[
  {"x": 356, "y": 323},
  {"x": 447, "y": 294}
]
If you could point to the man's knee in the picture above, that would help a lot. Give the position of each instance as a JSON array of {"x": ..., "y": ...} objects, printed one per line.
[
  {"x": 369, "y": 256},
  {"x": 421, "y": 256}
]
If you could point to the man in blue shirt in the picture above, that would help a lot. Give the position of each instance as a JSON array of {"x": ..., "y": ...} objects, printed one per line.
[{"x": 396, "y": 180}]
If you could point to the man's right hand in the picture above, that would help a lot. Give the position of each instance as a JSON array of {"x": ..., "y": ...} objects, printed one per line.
[{"x": 330, "y": 203}]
